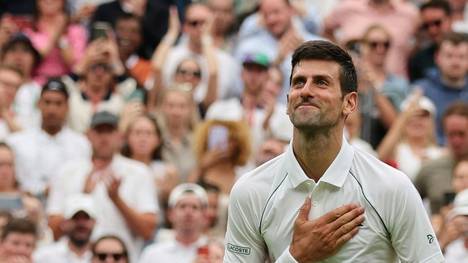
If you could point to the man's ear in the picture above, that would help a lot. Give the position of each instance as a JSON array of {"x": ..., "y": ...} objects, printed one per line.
[{"x": 350, "y": 103}]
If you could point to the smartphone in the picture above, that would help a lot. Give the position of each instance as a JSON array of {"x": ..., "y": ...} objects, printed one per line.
[
  {"x": 449, "y": 197},
  {"x": 10, "y": 202},
  {"x": 100, "y": 30},
  {"x": 218, "y": 137}
]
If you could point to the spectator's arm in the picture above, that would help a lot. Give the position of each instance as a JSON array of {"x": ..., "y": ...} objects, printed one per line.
[{"x": 209, "y": 51}]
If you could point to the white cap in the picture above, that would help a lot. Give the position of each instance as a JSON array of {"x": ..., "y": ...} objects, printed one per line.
[
  {"x": 77, "y": 203},
  {"x": 225, "y": 110},
  {"x": 423, "y": 103},
  {"x": 460, "y": 204},
  {"x": 182, "y": 189}
]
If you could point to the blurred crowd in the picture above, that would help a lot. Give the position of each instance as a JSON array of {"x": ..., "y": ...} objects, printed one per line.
[{"x": 124, "y": 124}]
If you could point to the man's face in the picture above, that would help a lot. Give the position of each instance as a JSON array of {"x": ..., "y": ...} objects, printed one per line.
[
  {"x": 79, "y": 228},
  {"x": 10, "y": 81},
  {"x": 188, "y": 214},
  {"x": 315, "y": 98},
  {"x": 18, "y": 244},
  {"x": 54, "y": 109},
  {"x": 435, "y": 23},
  {"x": 105, "y": 140},
  {"x": 128, "y": 33},
  {"x": 254, "y": 77},
  {"x": 452, "y": 60},
  {"x": 21, "y": 57},
  {"x": 276, "y": 15},
  {"x": 99, "y": 75},
  {"x": 196, "y": 17},
  {"x": 223, "y": 11},
  {"x": 456, "y": 131}
]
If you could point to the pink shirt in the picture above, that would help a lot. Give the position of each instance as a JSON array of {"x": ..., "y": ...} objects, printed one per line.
[
  {"x": 54, "y": 65},
  {"x": 352, "y": 17}
]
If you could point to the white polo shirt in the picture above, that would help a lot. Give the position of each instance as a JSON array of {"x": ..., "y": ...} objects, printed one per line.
[
  {"x": 265, "y": 202},
  {"x": 60, "y": 252}
]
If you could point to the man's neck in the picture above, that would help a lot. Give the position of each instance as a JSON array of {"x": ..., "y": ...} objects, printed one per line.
[
  {"x": 52, "y": 131},
  {"x": 250, "y": 100},
  {"x": 195, "y": 47},
  {"x": 187, "y": 238},
  {"x": 78, "y": 250},
  {"x": 458, "y": 83},
  {"x": 315, "y": 151},
  {"x": 101, "y": 163}
]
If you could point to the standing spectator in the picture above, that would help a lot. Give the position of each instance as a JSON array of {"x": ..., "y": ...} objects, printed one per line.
[
  {"x": 187, "y": 204},
  {"x": 224, "y": 23},
  {"x": 435, "y": 22},
  {"x": 122, "y": 190},
  {"x": 60, "y": 44},
  {"x": 10, "y": 81},
  {"x": 434, "y": 178},
  {"x": 79, "y": 222},
  {"x": 449, "y": 82},
  {"x": 277, "y": 38},
  {"x": 39, "y": 151},
  {"x": 18, "y": 241},
  {"x": 349, "y": 19}
]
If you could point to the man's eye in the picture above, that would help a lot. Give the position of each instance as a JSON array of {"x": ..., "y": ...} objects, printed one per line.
[
  {"x": 322, "y": 82},
  {"x": 299, "y": 83}
]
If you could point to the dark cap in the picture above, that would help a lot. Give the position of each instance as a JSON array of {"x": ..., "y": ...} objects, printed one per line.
[
  {"x": 22, "y": 39},
  {"x": 257, "y": 59},
  {"x": 104, "y": 118},
  {"x": 55, "y": 84}
]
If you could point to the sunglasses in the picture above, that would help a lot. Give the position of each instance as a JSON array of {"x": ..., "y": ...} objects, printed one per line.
[
  {"x": 196, "y": 74},
  {"x": 105, "y": 67},
  {"x": 375, "y": 44},
  {"x": 115, "y": 256},
  {"x": 427, "y": 25},
  {"x": 195, "y": 22}
]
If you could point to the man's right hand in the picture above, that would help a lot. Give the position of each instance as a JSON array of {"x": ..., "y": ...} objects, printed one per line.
[{"x": 315, "y": 240}]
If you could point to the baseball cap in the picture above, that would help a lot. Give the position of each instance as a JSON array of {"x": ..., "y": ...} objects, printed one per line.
[
  {"x": 228, "y": 110},
  {"x": 77, "y": 203},
  {"x": 424, "y": 103},
  {"x": 21, "y": 38},
  {"x": 188, "y": 188},
  {"x": 257, "y": 59},
  {"x": 55, "y": 84},
  {"x": 104, "y": 117},
  {"x": 460, "y": 204}
]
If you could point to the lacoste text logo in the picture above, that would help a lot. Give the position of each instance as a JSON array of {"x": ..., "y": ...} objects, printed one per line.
[{"x": 238, "y": 249}]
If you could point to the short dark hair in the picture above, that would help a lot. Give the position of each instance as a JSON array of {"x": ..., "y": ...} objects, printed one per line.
[
  {"x": 19, "y": 225},
  {"x": 456, "y": 108},
  {"x": 129, "y": 16},
  {"x": 454, "y": 38},
  {"x": 437, "y": 4},
  {"x": 326, "y": 50}
]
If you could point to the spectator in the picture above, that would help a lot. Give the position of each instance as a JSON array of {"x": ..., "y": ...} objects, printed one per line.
[
  {"x": 276, "y": 39},
  {"x": 349, "y": 19},
  {"x": 79, "y": 222},
  {"x": 380, "y": 92},
  {"x": 224, "y": 23},
  {"x": 60, "y": 44},
  {"x": 353, "y": 126},
  {"x": 187, "y": 204},
  {"x": 20, "y": 53},
  {"x": 435, "y": 22},
  {"x": 10, "y": 81},
  {"x": 39, "y": 151},
  {"x": 18, "y": 241},
  {"x": 449, "y": 82},
  {"x": 110, "y": 249},
  {"x": 460, "y": 176},
  {"x": 434, "y": 178},
  {"x": 199, "y": 19},
  {"x": 122, "y": 190},
  {"x": 411, "y": 140},
  {"x": 7, "y": 29}
]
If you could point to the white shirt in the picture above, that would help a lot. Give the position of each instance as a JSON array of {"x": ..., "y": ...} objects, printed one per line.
[
  {"x": 38, "y": 155},
  {"x": 410, "y": 163},
  {"x": 137, "y": 190},
  {"x": 264, "y": 206},
  {"x": 172, "y": 252},
  {"x": 59, "y": 252},
  {"x": 456, "y": 252}
]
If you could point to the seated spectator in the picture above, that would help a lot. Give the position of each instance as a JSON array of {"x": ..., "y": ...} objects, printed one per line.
[
  {"x": 75, "y": 247},
  {"x": 187, "y": 207},
  {"x": 449, "y": 82},
  {"x": 110, "y": 249},
  {"x": 39, "y": 151},
  {"x": 60, "y": 44},
  {"x": 20, "y": 53},
  {"x": 122, "y": 190},
  {"x": 380, "y": 92},
  {"x": 10, "y": 81},
  {"x": 411, "y": 140},
  {"x": 18, "y": 241},
  {"x": 434, "y": 179}
]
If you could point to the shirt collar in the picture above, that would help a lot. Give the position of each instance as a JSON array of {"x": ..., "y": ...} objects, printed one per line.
[{"x": 335, "y": 174}]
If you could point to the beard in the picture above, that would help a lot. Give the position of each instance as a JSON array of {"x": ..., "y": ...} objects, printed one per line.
[{"x": 79, "y": 242}]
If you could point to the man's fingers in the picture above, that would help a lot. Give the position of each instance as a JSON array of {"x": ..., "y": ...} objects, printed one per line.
[
  {"x": 346, "y": 237},
  {"x": 349, "y": 217},
  {"x": 304, "y": 210},
  {"x": 337, "y": 213},
  {"x": 349, "y": 227}
]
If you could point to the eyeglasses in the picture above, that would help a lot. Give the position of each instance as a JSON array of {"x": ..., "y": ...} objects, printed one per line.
[
  {"x": 105, "y": 67},
  {"x": 195, "y": 22},
  {"x": 115, "y": 256},
  {"x": 189, "y": 73},
  {"x": 429, "y": 24},
  {"x": 375, "y": 44}
]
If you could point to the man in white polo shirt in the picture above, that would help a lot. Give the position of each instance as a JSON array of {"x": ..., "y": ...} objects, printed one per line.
[{"x": 268, "y": 217}]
